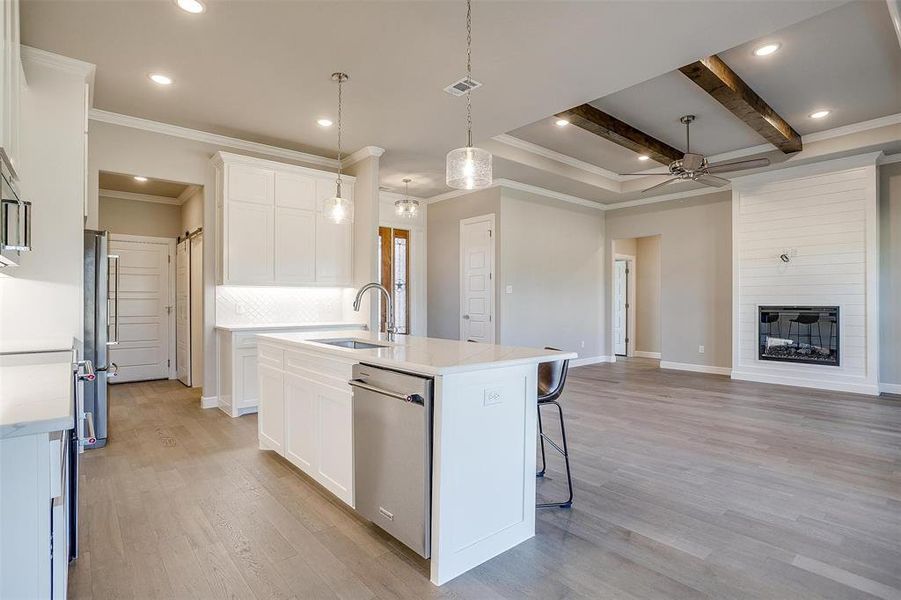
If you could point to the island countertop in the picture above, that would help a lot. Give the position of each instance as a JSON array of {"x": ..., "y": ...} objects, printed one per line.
[
  {"x": 36, "y": 393},
  {"x": 428, "y": 356}
]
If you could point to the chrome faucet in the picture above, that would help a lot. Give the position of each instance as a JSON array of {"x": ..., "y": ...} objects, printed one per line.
[{"x": 390, "y": 329}]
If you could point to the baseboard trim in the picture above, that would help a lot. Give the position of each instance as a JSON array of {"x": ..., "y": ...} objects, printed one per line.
[
  {"x": 890, "y": 388},
  {"x": 817, "y": 384},
  {"x": 591, "y": 360},
  {"x": 209, "y": 402},
  {"x": 678, "y": 366},
  {"x": 643, "y": 354}
]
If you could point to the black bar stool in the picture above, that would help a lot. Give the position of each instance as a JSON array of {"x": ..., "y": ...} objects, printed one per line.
[{"x": 551, "y": 378}]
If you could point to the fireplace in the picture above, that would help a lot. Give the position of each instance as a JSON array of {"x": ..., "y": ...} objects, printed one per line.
[{"x": 799, "y": 334}]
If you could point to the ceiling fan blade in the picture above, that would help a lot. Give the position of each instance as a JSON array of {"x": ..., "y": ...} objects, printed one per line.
[
  {"x": 661, "y": 184},
  {"x": 711, "y": 180},
  {"x": 645, "y": 174},
  {"x": 738, "y": 165}
]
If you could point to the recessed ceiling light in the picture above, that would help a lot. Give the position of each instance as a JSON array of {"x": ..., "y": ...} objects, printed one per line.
[
  {"x": 819, "y": 114},
  {"x": 766, "y": 49},
  {"x": 139, "y": 178},
  {"x": 324, "y": 122},
  {"x": 561, "y": 122},
  {"x": 644, "y": 157},
  {"x": 194, "y": 7},
  {"x": 160, "y": 79}
]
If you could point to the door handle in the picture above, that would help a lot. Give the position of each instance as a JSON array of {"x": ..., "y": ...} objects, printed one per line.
[
  {"x": 114, "y": 257},
  {"x": 414, "y": 398},
  {"x": 466, "y": 317}
]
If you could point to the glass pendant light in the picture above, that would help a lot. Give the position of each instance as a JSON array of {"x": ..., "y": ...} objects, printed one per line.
[
  {"x": 468, "y": 168},
  {"x": 337, "y": 208},
  {"x": 408, "y": 207}
]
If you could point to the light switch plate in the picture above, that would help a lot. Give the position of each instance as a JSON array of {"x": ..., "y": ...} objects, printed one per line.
[
  {"x": 509, "y": 289},
  {"x": 492, "y": 396},
  {"x": 701, "y": 349}
]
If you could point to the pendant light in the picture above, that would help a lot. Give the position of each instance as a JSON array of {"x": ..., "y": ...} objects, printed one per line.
[
  {"x": 338, "y": 208},
  {"x": 468, "y": 168},
  {"x": 408, "y": 207}
]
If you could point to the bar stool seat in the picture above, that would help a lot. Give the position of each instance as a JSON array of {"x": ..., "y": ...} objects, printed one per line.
[{"x": 551, "y": 379}]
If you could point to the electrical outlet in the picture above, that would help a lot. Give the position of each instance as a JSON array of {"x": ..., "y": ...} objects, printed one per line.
[
  {"x": 509, "y": 289},
  {"x": 492, "y": 396},
  {"x": 700, "y": 349},
  {"x": 239, "y": 308},
  {"x": 583, "y": 343}
]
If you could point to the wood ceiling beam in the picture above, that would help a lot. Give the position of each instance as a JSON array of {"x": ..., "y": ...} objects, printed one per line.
[
  {"x": 716, "y": 78},
  {"x": 610, "y": 128}
]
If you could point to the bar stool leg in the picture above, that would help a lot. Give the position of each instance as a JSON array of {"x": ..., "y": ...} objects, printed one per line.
[
  {"x": 541, "y": 439},
  {"x": 565, "y": 452}
]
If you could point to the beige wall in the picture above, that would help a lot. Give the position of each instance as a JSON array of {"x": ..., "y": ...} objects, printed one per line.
[
  {"x": 133, "y": 217},
  {"x": 627, "y": 246},
  {"x": 890, "y": 275},
  {"x": 444, "y": 257},
  {"x": 696, "y": 273},
  {"x": 647, "y": 294},
  {"x": 552, "y": 254},
  {"x": 191, "y": 216}
]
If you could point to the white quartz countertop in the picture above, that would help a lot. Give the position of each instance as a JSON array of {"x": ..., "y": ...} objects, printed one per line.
[
  {"x": 36, "y": 393},
  {"x": 280, "y": 326},
  {"x": 429, "y": 356}
]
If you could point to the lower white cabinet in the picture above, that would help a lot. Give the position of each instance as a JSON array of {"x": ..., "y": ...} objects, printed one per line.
[
  {"x": 238, "y": 384},
  {"x": 306, "y": 415}
]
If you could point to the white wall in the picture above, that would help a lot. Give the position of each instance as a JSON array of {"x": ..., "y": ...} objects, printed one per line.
[
  {"x": 41, "y": 300},
  {"x": 647, "y": 294},
  {"x": 826, "y": 215},
  {"x": 191, "y": 216},
  {"x": 552, "y": 254},
  {"x": 890, "y": 277}
]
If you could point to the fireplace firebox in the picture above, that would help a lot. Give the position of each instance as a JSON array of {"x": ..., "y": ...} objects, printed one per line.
[{"x": 799, "y": 334}]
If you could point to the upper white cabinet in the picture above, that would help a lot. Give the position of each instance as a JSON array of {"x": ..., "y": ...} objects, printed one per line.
[
  {"x": 273, "y": 227},
  {"x": 11, "y": 79}
]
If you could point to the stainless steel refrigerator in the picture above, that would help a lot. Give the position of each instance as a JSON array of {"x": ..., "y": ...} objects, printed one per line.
[{"x": 101, "y": 327}]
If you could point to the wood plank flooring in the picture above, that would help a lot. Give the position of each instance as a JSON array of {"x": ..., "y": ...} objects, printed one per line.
[{"x": 687, "y": 486}]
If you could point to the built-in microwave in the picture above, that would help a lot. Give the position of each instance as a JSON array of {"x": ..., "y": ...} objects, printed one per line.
[{"x": 15, "y": 220}]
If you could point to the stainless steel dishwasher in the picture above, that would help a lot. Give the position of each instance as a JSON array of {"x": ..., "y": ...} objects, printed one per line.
[{"x": 393, "y": 453}]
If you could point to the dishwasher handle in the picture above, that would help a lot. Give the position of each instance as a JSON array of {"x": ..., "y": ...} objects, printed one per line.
[{"x": 413, "y": 398}]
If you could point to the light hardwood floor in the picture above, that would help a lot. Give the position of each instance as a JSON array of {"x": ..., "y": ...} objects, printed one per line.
[{"x": 687, "y": 486}]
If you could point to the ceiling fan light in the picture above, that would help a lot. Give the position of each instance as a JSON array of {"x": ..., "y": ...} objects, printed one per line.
[{"x": 468, "y": 168}]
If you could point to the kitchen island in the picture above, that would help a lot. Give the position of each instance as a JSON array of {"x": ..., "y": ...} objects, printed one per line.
[{"x": 483, "y": 430}]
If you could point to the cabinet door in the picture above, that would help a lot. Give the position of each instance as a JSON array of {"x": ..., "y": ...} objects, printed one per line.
[
  {"x": 248, "y": 243},
  {"x": 335, "y": 441},
  {"x": 249, "y": 184},
  {"x": 271, "y": 420},
  {"x": 293, "y": 190},
  {"x": 300, "y": 423},
  {"x": 295, "y": 245},
  {"x": 247, "y": 387}
]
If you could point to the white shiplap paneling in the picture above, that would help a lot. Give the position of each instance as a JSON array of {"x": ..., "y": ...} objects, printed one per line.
[{"x": 826, "y": 216}]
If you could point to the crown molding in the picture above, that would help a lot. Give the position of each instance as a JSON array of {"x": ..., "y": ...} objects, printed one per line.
[
  {"x": 540, "y": 191},
  {"x": 120, "y": 195},
  {"x": 189, "y": 191},
  {"x": 59, "y": 62},
  {"x": 565, "y": 159},
  {"x": 364, "y": 152},
  {"x": 103, "y": 116},
  {"x": 667, "y": 197},
  {"x": 813, "y": 169}
]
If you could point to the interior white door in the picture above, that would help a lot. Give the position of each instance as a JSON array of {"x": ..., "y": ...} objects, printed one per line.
[
  {"x": 183, "y": 312},
  {"x": 620, "y": 295},
  {"x": 144, "y": 310},
  {"x": 197, "y": 310},
  {"x": 477, "y": 279}
]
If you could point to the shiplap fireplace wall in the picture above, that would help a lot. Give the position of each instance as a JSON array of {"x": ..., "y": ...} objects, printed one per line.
[{"x": 825, "y": 218}]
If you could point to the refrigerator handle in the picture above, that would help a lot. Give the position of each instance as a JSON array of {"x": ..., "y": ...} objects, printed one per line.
[{"x": 115, "y": 341}]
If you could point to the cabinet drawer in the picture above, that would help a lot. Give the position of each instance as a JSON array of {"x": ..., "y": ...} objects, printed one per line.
[
  {"x": 328, "y": 370},
  {"x": 271, "y": 355}
]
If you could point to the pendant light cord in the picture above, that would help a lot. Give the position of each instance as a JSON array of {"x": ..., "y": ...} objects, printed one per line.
[
  {"x": 468, "y": 73},
  {"x": 341, "y": 77}
]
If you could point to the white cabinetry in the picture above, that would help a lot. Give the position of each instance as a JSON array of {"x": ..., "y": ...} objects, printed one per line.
[
  {"x": 11, "y": 79},
  {"x": 273, "y": 227},
  {"x": 306, "y": 414},
  {"x": 239, "y": 387}
]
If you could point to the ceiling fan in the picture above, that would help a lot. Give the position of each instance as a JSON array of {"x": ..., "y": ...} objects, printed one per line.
[{"x": 694, "y": 167}]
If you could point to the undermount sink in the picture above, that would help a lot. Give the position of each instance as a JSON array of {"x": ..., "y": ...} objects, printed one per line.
[{"x": 350, "y": 343}]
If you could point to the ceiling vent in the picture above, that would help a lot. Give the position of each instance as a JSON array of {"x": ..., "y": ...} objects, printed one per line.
[{"x": 459, "y": 88}]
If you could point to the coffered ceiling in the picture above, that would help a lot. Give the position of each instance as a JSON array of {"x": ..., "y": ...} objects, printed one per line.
[{"x": 259, "y": 70}]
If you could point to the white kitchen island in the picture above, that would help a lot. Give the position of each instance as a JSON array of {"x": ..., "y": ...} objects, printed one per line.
[{"x": 483, "y": 430}]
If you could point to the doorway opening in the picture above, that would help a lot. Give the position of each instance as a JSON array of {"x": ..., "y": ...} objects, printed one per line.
[
  {"x": 635, "y": 301},
  {"x": 394, "y": 274},
  {"x": 156, "y": 230}
]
